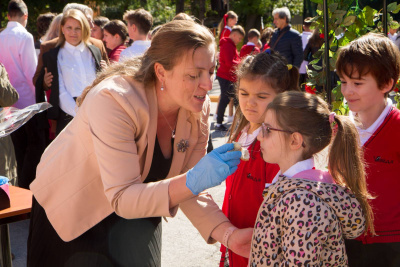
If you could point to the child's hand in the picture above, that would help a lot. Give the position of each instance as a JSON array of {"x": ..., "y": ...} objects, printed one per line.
[
  {"x": 103, "y": 64},
  {"x": 48, "y": 78}
]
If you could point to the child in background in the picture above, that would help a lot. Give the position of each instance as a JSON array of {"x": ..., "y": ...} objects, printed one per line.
[
  {"x": 253, "y": 37},
  {"x": 260, "y": 78},
  {"x": 99, "y": 23},
  {"x": 139, "y": 22},
  {"x": 307, "y": 213},
  {"x": 226, "y": 24},
  {"x": 228, "y": 60},
  {"x": 115, "y": 34},
  {"x": 369, "y": 68}
]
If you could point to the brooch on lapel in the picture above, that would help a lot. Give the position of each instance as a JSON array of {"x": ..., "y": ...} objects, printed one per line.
[{"x": 182, "y": 145}]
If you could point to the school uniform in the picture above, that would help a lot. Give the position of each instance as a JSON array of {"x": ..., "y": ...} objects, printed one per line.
[
  {"x": 382, "y": 157},
  {"x": 249, "y": 48},
  {"x": 228, "y": 60},
  {"x": 226, "y": 31}
]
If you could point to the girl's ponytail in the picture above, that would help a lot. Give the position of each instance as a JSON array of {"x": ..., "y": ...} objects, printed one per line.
[
  {"x": 294, "y": 78},
  {"x": 346, "y": 164}
]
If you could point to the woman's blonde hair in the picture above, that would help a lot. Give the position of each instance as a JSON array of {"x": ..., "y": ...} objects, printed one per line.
[
  {"x": 80, "y": 17},
  {"x": 309, "y": 115},
  {"x": 172, "y": 41}
]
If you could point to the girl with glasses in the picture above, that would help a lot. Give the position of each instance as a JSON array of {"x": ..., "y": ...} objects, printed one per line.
[
  {"x": 307, "y": 213},
  {"x": 260, "y": 79}
]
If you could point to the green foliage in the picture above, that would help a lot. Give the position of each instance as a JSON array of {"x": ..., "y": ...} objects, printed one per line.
[{"x": 345, "y": 24}]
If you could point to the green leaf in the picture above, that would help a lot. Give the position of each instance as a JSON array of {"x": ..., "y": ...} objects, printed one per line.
[
  {"x": 313, "y": 19},
  {"x": 338, "y": 31},
  {"x": 315, "y": 61},
  {"x": 349, "y": 20},
  {"x": 333, "y": 7},
  {"x": 392, "y": 7},
  {"x": 397, "y": 9},
  {"x": 316, "y": 67},
  {"x": 318, "y": 1}
]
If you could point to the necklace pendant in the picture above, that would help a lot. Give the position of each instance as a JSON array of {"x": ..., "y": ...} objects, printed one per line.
[{"x": 173, "y": 134}]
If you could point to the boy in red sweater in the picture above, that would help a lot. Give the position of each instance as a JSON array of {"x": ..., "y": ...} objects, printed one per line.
[
  {"x": 228, "y": 60},
  {"x": 366, "y": 88},
  {"x": 253, "y": 37}
]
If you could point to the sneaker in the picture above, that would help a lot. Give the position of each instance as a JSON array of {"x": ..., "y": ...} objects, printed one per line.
[
  {"x": 221, "y": 128},
  {"x": 215, "y": 117},
  {"x": 230, "y": 119}
]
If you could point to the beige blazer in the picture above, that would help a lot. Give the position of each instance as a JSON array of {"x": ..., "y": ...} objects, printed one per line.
[{"x": 98, "y": 163}]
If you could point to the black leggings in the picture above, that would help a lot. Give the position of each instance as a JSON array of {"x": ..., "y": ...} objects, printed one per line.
[{"x": 227, "y": 93}]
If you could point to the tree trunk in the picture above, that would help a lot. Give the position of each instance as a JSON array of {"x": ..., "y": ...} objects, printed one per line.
[
  {"x": 202, "y": 10},
  {"x": 180, "y": 6},
  {"x": 253, "y": 21}
]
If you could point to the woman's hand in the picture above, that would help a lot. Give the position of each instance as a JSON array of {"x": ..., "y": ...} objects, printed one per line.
[
  {"x": 213, "y": 168},
  {"x": 240, "y": 240},
  {"x": 48, "y": 78}
]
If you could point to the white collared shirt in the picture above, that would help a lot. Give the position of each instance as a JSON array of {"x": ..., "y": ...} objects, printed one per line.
[
  {"x": 365, "y": 134},
  {"x": 393, "y": 37},
  {"x": 227, "y": 27},
  {"x": 250, "y": 43},
  {"x": 18, "y": 55},
  {"x": 300, "y": 166},
  {"x": 136, "y": 49},
  {"x": 76, "y": 70},
  {"x": 246, "y": 139}
]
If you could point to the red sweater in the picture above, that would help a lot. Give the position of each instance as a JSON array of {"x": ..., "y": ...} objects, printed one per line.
[
  {"x": 243, "y": 195},
  {"x": 248, "y": 49},
  {"x": 382, "y": 157},
  {"x": 225, "y": 33},
  {"x": 113, "y": 56},
  {"x": 228, "y": 59}
]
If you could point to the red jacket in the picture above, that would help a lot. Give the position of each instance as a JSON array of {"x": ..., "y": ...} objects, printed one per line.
[
  {"x": 382, "y": 157},
  {"x": 225, "y": 33},
  {"x": 244, "y": 194},
  {"x": 228, "y": 59},
  {"x": 114, "y": 54},
  {"x": 248, "y": 49},
  {"x": 266, "y": 46}
]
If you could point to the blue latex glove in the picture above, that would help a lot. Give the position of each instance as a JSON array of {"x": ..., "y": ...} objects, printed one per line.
[{"x": 213, "y": 168}]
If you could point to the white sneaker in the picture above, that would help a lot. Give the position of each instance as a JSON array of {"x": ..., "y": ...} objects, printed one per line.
[
  {"x": 215, "y": 117},
  {"x": 230, "y": 119}
]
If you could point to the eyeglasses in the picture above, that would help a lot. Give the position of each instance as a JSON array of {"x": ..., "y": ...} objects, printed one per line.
[{"x": 266, "y": 130}]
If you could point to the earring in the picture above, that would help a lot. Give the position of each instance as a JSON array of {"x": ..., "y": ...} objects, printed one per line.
[{"x": 162, "y": 86}]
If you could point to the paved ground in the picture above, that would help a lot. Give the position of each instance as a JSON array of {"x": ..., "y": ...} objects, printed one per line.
[{"x": 182, "y": 244}]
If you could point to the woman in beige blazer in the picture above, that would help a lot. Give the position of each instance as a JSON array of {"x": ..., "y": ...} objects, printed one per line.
[{"x": 100, "y": 189}]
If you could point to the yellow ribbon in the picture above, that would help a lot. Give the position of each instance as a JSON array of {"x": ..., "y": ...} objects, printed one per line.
[{"x": 289, "y": 66}]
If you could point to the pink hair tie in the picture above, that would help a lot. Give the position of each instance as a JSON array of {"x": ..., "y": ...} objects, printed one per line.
[
  {"x": 225, "y": 18},
  {"x": 334, "y": 125}
]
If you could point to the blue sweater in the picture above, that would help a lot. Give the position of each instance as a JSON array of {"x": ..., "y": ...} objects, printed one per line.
[{"x": 290, "y": 45}]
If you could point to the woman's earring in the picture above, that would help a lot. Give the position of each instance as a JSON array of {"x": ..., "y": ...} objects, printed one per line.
[{"x": 162, "y": 87}]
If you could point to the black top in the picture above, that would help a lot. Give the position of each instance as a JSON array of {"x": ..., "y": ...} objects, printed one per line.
[{"x": 160, "y": 166}]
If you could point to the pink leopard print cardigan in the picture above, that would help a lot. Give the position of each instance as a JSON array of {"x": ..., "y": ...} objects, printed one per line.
[{"x": 304, "y": 223}]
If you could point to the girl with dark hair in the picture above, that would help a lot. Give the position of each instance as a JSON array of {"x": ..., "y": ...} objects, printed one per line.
[
  {"x": 307, "y": 213},
  {"x": 260, "y": 79},
  {"x": 115, "y": 34}
]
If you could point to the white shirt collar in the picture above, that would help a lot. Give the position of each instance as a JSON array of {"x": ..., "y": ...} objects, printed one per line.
[
  {"x": 70, "y": 48},
  {"x": 250, "y": 43},
  {"x": 246, "y": 139},
  {"x": 300, "y": 166},
  {"x": 365, "y": 134},
  {"x": 12, "y": 24},
  {"x": 228, "y": 27}
]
